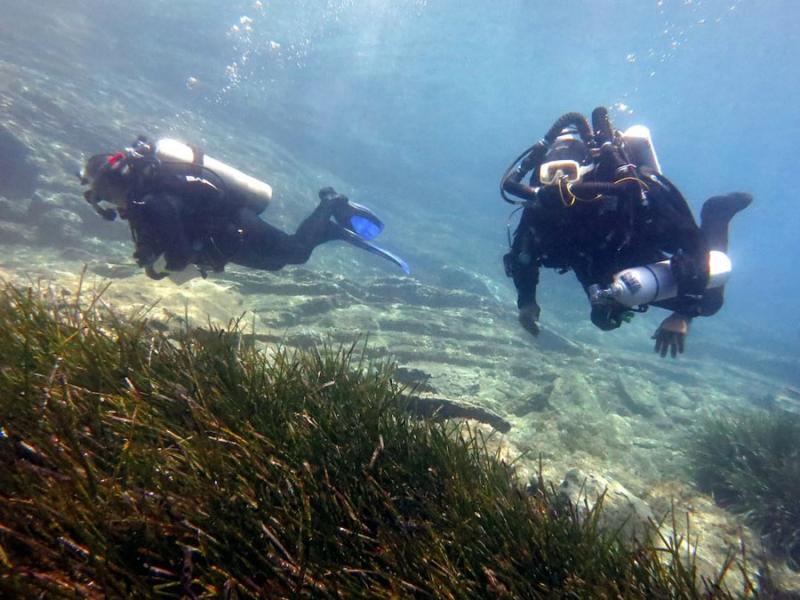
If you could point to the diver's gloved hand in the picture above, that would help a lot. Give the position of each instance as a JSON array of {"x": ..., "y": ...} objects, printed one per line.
[
  {"x": 528, "y": 317},
  {"x": 609, "y": 315},
  {"x": 671, "y": 335}
]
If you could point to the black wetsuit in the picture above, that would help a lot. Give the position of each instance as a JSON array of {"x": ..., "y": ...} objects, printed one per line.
[
  {"x": 598, "y": 238},
  {"x": 192, "y": 221}
]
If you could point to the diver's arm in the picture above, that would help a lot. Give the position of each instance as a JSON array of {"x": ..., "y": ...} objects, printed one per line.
[
  {"x": 159, "y": 234},
  {"x": 526, "y": 278},
  {"x": 521, "y": 264}
]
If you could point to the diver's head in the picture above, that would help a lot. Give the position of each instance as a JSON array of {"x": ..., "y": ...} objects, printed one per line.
[
  {"x": 108, "y": 178},
  {"x": 568, "y": 146},
  {"x": 568, "y": 157}
]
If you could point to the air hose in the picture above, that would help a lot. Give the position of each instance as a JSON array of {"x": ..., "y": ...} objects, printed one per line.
[
  {"x": 575, "y": 119},
  {"x": 529, "y": 160},
  {"x": 593, "y": 188},
  {"x": 532, "y": 157},
  {"x": 601, "y": 123}
]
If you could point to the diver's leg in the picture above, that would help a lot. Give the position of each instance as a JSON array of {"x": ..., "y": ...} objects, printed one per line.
[
  {"x": 263, "y": 246},
  {"x": 716, "y": 215},
  {"x": 357, "y": 218},
  {"x": 318, "y": 228},
  {"x": 715, "y": 218}
]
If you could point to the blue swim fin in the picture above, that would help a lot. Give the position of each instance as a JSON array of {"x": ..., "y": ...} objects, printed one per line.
[
  {"x": 352, "y": 238},
  {"x": 359, "y": 219}
]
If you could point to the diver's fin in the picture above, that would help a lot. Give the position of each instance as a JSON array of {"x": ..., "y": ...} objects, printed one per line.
[
  {"x": 359, "y": 219},
  {"x": 724, "y": 208},
  {"x": 717, "y": 213},
  {"x": 352, "y": 238}
]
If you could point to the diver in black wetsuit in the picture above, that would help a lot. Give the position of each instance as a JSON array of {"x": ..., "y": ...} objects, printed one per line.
[
  {"x": 597, "y": 204},
  {"x": 184, "y": 213}
]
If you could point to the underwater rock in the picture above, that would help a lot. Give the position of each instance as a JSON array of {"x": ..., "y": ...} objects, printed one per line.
[
  {"x": 417, "y": 379},
  {"x": 458, "y": 278},
  {"x": 638, "y": 398},
  {"x": 573, "y": 393},
  {"x": 293, "y": 282},
  {"x": 548, "y": 339},
  {"x": 619, "y": 431},
  {"x": 539, "y": 401},
  {"x": 621, "y": 510},
  {"x": 788, "y": 399},
  {"x": 18, "y": 175},
  {"x": 11, "y": 233},
  {"x": 408, "y": 291},
  {"x": 60, "y": 225},
  {"x": 445, "y": 408},
  {"x": 316, "y": 306},
  {"x": 41, "y": 203},
  {"x": 84, "y": 255},
  {"x": 13, "y": 210}
]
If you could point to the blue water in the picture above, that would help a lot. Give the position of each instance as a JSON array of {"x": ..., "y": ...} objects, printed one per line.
[{"x": 420, "y": 105}]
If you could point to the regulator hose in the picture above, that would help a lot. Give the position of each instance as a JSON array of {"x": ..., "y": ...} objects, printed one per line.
[
  {"x": 593, "y": 188},
  {"x": 532, "y": 157},
  {"x": 529, "y": 160},
  {"x": 575, "y": 119},
  {"x": 601, "y": 123}
]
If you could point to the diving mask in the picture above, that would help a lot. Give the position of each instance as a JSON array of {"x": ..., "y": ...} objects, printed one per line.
[
  {"x": 557, "y": 171},
  {"x": 103, "y": 173}
]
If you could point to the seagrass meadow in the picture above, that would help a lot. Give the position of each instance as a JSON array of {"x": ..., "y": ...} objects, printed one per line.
[
  {"x": 139, "y": 464},
  {"x": 750, "y": 461}
]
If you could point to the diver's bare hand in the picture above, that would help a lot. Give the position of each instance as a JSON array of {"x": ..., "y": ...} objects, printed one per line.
[
  {"x": 671, "y": 335},
  {"x": 528, "y": 317}
]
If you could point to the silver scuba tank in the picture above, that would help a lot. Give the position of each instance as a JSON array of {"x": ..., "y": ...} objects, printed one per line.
[
  {"x": 256, "y": 193},
  {"x": 639, "y": 147},
  {"x": 638, "y": 286}
]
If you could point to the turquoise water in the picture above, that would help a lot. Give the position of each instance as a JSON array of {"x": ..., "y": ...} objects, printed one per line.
[{"x": 419, "y": 105}]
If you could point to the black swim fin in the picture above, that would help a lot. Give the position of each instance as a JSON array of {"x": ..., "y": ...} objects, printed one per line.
[{"x": 352, "y": 238}]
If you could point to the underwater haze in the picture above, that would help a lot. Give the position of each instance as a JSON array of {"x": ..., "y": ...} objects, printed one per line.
[
  {"x": 416, "y": 108},
  {"x": 422, "y": 104}
]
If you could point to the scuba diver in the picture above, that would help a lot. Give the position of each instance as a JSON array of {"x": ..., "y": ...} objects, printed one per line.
[
  {"x": 187, "y": 208},
  {"x": 597, "y": 203}
]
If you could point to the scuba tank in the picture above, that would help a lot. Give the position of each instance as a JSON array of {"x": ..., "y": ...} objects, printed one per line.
[
  {"x": 638, "y": 145},
  {"x": 254, "y": 193},
  {"x": 638, "y": 286}
]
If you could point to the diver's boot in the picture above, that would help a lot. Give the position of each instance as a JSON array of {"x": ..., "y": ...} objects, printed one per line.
[
  {"x": 354, "y": 217},
  {"x": 716, "y": 215}
]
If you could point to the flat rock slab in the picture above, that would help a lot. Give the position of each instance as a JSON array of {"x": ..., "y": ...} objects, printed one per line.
[{"x": 622, "y": 512}]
